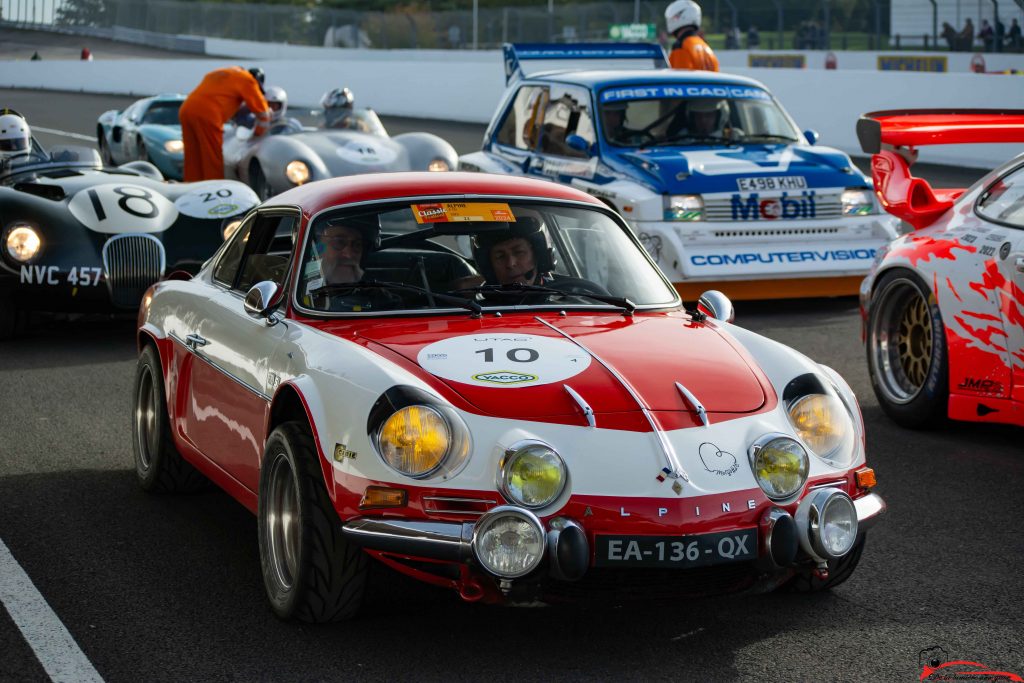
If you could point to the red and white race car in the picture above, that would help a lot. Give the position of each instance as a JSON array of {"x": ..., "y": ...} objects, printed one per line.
[
  {"x": 484, "y": 382},
  {"x": 943, "y": 306}
]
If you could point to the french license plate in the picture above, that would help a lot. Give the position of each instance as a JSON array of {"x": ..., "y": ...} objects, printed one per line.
[
  {"x": 676, "y": 551},
  {"x": 769, "y": 183}
]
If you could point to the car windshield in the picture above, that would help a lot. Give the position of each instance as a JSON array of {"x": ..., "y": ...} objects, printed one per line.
[
  {"x": 361, "y": 120},
  {"x": 1003, "y": 202},
  {"x": 162, "y": 113},
  {"x": 661, "y": 115},
  {"x": 38, "y": 160},
  {"x": 476, "y": 254}
]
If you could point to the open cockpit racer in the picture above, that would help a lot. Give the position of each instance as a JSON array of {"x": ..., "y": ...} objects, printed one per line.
[{"x": 708, "y": 169}]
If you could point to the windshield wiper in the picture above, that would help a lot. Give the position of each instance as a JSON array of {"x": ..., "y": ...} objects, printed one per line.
[
  {"x": 516, "y": 287},
  {"x": 768, "y": 138},
  {"x": 691, "y": 139},
  {"x": 459, "y": 301}
]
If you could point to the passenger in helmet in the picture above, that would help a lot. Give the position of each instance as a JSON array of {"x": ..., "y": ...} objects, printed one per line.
[
  {"x": 338, "y": 107},
  {"x": 520, "y": 255},
  {"x": 15, "y": 135},
  {"x": 280, "y": 124},
  {"x": 613, "y": 119},
  {"x": 707, "y": 117}
]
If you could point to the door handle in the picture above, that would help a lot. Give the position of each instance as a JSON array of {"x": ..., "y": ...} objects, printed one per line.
[{"x": 194, "y": 341}]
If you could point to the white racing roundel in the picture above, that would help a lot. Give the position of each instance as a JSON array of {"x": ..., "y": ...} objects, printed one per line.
[
  {"x": 216, "y": 199},
  {"x": 503, "y": 360},
  {"x": 365, "y": 151},
  {"x": 121, "y": 207}
]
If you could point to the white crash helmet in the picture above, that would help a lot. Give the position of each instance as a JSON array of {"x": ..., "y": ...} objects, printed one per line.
[
  {"x": 709, "y": 105},
  {"x": 277, "y": 98},
  {"x": 339, "y": 98},
  {"x": 682, "y": 13},
  {"x": 15, "y": 135}
]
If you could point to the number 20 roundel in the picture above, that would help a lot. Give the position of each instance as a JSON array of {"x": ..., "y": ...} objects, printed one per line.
[{"x": 120, "y": 208}]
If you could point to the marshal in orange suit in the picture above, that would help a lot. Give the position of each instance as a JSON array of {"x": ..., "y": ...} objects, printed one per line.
[
  {"x": 207, "y": 108},
  {"x": 689, "y": 51}
]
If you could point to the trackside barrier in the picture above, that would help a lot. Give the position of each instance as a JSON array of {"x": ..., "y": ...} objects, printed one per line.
[{"x": 435, "y": 84}]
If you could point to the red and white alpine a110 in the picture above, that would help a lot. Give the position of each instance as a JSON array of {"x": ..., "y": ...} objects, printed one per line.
[
  {"x": 943, "y": 306},
  {"x": 484, "y": 382}
]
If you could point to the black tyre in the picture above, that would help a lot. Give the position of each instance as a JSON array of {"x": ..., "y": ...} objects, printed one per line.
[
  {"x": 105, "y": 154},
  {"x": 8, "y": 316},
  {"x": 310, "y": 571},
  {"x": 158, "y": 465},
  {"x": 838, "y": 571},
  {"x": 906, "y": 346}
]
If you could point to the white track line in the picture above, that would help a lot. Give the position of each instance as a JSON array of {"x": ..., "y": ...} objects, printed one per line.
[
  {"x": 56, "y": 650},
  {"x": 54, "y": 131}
]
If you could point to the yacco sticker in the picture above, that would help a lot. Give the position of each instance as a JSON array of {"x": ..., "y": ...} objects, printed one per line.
[
  {"x": 455, "y": 212},
  {"x": 216, "y": 199},
  {"x": 123, "y": 208},
  {"x": 503, "y": 361},
  {"x": 652, "y": 92}
]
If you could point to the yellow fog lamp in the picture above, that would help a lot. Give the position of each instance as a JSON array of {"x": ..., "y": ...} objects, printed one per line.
[{"x": 780, "y": 465}]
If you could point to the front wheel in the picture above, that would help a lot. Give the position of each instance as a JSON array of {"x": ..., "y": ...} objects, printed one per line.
[
  {"x": 158, "y": 465},
  {"x": 310, "y": 571},
  {"x": 258, "y": 181},
  {"x": 105, "y": 153},
  {"x": 906, "y": 347}
]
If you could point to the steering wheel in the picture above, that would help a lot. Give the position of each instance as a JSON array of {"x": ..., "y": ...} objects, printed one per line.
[{"x": 576, "y": 285}]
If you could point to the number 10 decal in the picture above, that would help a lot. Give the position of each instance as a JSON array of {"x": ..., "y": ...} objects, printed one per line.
[
  {"x": 503, "y": 361},
  {"x": 517, "y": 355}
]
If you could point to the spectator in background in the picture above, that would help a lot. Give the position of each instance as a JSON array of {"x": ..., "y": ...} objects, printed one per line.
[
  {"x": 1000, "y": 35},
  {"x": 1014, "y": 36},
  {"x": 986, "y": 35},
  {"x": 967, "y": 36},
  {"x": 753, "y": 38},
  {"x": 949, "y": 35},
  {"x": 732, "y": 38},
  {"x": 689, "y": 51},
  {"x": 454, "y": 36}
]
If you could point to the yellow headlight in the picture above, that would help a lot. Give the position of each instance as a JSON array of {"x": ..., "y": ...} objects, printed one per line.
[
  {"x": 438, "y": 165},
  {"x": 23, "y": 243},
  {"x": 532, "y": 475},
  {"x": 415, "y": 440},
  {"x": 780, "y": 467},
  {"x": 174, "y": 146},
  {"x": 230, "y": 228},
  {"x": 297, "y": 172},
  {"x": 821, "y": 421}
]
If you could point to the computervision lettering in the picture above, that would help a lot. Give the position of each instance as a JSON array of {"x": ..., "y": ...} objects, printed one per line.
[{"x": 778, "y": 257}]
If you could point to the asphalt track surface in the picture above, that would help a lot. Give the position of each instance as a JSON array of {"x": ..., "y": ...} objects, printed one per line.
[{"x": 163, "y": 588}]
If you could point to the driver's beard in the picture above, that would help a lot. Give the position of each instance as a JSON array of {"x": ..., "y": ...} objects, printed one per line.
[{"x": 344, "y": 270}]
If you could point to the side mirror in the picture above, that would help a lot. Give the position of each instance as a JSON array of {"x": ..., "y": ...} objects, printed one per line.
[
  {"x": 260, "y": 299},
  {"x": 811, "y": 136},
  {"x": 714, "y": 304},
  {"x": 578, "y": 143}
]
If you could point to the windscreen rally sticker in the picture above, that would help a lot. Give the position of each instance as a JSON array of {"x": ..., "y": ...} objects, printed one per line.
[
  {"x": 503, "y": 360},
  {"x": 455, "y": 212}
]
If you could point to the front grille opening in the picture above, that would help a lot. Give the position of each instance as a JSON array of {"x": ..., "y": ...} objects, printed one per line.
[
  {"x": 781, "y": 232},
  {"x": 131, "y": 263}
]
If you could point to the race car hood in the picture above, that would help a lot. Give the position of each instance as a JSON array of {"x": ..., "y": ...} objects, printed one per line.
[
  {"x": 689, "y": 170},
  {"x": 518, "y": 367},
  {"x": 160, "y": 132},
  {"x": 347, "y": 152}
]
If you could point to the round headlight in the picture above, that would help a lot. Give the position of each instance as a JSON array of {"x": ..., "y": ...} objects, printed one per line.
[
  {"x": 780, "y": 466},
  {"x": 23, "y": 243},
  {"x": 414, "y": 441},
  {"x": 174, "y": 146},
  {"x": 230, "y": 228},
  {"x": 297, "y": 172},
  {"x": 508, "y": 542},
  {"x": 838, "y": 525},
  {"x": 532, "y": 474},
  {"x": 822, "y": 422},
  {"x": 438, "y": 165}
]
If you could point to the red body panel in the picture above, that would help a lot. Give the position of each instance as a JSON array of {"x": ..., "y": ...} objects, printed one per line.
[{"x": 916, "y": 128}]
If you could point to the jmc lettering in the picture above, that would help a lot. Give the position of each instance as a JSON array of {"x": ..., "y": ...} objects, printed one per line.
[{"x": 753, "y": 208}]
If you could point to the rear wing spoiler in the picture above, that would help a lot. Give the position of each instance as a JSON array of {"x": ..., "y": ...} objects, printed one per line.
[
  {"x": 891, "y": 136},
  {"x": 612, "y": 55},
  {"x": 916, "y": 127}
]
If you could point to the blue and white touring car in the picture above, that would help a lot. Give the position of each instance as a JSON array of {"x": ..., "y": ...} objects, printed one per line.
[{"x": 709, "y": 170}]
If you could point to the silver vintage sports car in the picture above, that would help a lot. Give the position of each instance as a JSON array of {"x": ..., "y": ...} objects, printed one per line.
[{"x": 276, "y": 162}]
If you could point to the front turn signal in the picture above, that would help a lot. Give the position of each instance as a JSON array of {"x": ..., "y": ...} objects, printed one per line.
[
  {"x": 865, "y": 478},
  {"x": 382, "y": 497}
]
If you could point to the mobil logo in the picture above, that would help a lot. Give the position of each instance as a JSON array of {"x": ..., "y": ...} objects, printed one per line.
[{"x": 753, "y": 207}]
